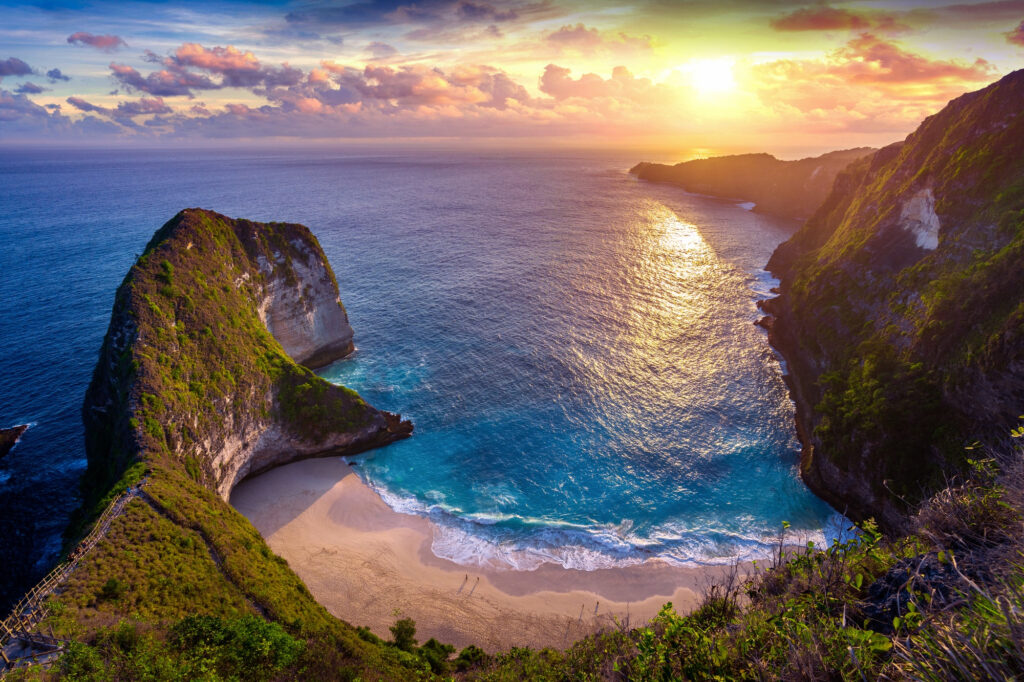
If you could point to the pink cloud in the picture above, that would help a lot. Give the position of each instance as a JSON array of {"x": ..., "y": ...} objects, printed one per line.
[
  {"x": 869, "y": 59},
  {"x": 825, "y": 18},
  {"x": 1016, "y": 36},
  {"x": 869, "y": 83},
  {"x": 558, "y": 83},
  {"x": 218, "y": 59},
  {"x": 107, "y": 43},
  {"x": 590, "y": 41}
]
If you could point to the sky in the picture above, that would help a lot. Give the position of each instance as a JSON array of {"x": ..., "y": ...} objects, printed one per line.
[{"x": 698, "y": 75}]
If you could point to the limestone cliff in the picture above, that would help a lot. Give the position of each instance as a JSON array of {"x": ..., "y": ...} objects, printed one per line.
[
  {"x": 200, "y": 365},
  {"x": 901, "y": 315},
  {"x": 793, "y": 189}
]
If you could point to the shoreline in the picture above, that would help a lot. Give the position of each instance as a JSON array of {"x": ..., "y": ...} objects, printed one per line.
[{"x": 370, "y": 565}]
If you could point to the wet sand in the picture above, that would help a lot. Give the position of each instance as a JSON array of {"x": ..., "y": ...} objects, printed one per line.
[{"x": 370, "y": 565}]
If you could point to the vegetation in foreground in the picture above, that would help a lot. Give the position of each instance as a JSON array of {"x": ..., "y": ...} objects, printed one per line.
[{"x": 944, "y": 602}]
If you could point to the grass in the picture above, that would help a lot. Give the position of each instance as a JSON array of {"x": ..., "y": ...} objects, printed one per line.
[{"x": 186, "y": 365}]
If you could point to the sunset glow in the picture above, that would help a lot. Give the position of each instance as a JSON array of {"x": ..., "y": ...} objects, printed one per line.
[
  {"x": 687, "y": 75},
  {"x": 711, "y": 76}
]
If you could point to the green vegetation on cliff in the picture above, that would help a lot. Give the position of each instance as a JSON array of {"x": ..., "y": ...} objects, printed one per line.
[
  {"x": 187, "y": 374},
  {"x": 902, "y": 308},
  {"x": 901, "y": 318}
]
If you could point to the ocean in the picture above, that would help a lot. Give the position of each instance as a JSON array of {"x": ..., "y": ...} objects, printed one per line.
[{"x": 576, "y": 348}]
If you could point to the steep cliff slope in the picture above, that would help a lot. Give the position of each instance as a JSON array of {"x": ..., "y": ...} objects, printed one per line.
[
  {"x": 193, "y": 391},
  {"x": 793, "y": 189},
  {"x": 199, "y": 364},
  {"x": 902, "y": 307}
]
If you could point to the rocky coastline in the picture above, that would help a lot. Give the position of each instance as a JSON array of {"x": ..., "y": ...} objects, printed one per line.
[{"x": 900, "y": 316}]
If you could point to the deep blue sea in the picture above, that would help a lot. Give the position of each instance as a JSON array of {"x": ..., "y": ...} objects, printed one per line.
[{"x": 576, "y": 348}]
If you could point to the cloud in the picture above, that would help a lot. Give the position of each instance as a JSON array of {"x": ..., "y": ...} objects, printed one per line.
[
  {"x": 237, "y": 69},
  {"x": 83, "y": 105},
  {"x": 869, "y": 59},
  {"x": 226, "y": 67},
  {"x": 106, "y": 43},
  {"x": 142, "y": 107},
  {"x": 623, "y": 85},
  {"x": 868, "y": 83},
  {"x": 28, "y": 88},
  {"x": 124, "y": 112},
  {"x": 1016, "y": 36},
  {"x": 436, "y": 13},
  {"x": 23, "y": 119},
  {"x": 482, "y": 12},
  {"x": 13, "y": 66},
  {"x": 1000, "y": 10},
  {"x": 55, "y": 75},
  {"x": 381, "y": 50},
  {"x": 590, "y": 41},
  {"x": 825, "y": 18},
  {"x": 164, "y": 83},
  {"x": 16, "y": 106}
]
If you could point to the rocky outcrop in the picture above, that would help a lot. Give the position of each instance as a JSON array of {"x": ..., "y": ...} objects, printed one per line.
[
  {"x": 9, "y": 437},
  {"x": 901, "y": 314},
  {"x": 792, "y": 189},
  {"x": 200, "y": 368}
]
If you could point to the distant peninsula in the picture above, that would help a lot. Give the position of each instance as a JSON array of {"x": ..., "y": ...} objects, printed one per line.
[{"x": 791, "y": 189}]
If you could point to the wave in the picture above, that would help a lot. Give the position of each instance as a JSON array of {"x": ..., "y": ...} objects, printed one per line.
[{"x": 514, "y": 542}]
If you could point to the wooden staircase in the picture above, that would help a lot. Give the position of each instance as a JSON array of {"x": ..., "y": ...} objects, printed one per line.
[{"x": 20, "y": 646}]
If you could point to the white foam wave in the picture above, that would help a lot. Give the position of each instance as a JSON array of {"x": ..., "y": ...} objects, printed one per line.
[
  {"x": 762, "y": 284},
  {"x": 511, "y": 542}
]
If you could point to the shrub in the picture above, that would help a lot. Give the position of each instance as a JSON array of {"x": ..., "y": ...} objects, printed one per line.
[
  {"x": 112, "y": 589},
  {"x": 404, "y": 634}
]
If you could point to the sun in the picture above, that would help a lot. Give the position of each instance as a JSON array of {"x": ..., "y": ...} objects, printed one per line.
[{"x": 711, "y": 76}]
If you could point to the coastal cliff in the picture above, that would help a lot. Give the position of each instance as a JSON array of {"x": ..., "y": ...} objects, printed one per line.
[
  {"x": 901, "y": 314},
  {"x": 792, "y": 189},
  {"x": 200, "y": 365},
  {"x": 197, "y": 386}
]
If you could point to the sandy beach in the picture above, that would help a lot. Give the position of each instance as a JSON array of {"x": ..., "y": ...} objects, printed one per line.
[{"x": 370, "y": 565}]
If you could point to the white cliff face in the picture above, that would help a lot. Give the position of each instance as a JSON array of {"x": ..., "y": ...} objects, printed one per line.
[
  {"x": 304, "y": 313},
  {"x": 918, "y": 217},
  {"x": 262, "y": 417}
]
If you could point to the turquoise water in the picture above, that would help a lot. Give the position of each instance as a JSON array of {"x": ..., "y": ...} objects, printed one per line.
[
  {"x": 576, "y": 348},
  {"x": 577, "y": 351}
]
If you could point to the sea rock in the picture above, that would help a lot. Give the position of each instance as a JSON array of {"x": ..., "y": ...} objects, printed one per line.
[
  {"x": 8, "y": 438},
  {"x": 200, "y": 368}
]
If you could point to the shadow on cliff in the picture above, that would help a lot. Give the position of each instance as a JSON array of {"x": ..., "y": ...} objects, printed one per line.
[{"x": 274, "y": 499}]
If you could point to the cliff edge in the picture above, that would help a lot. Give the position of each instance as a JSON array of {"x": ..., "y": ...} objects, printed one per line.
[
  {"x": 791, "y": 189},
  {"x": 201, "y": 368},
  {"x": 901, "y": 314}
]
